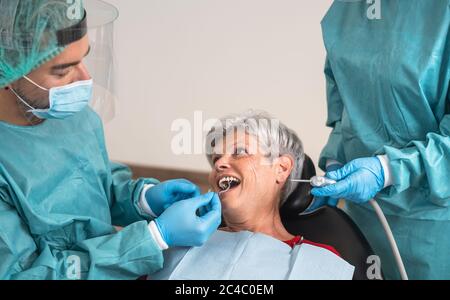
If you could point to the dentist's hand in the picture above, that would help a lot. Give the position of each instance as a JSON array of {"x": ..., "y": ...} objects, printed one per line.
[
  {"x": 180, "y": 225},
  {"x": 322, "y": 201},
  {"x": 164, "y": 194},
  {"x": 358, "y": 181}
]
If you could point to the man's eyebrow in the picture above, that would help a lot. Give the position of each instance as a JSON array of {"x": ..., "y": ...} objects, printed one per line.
[{"x": 68, "y": 65}]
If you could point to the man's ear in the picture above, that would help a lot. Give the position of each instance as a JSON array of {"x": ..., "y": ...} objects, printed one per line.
[{"x": 283, "y": 168}]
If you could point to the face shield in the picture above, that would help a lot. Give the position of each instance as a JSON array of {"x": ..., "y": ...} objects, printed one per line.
[
  {"x": 57, "y": 57},
  {"x": 100, "y": 61}
]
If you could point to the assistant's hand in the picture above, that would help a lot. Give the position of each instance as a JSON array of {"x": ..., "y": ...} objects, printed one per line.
[
  {"x": 180, "y": 225},
  {"x": 164, "y": 194},
  {"x": 358, "y": 181}
]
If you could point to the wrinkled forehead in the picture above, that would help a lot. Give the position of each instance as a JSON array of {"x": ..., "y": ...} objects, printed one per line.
[{"x": 228, "y": 141}]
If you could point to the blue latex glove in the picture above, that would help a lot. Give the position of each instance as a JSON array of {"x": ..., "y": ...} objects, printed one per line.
[
  {"x": 180, "y": 225},
  {"x": 164, "y": 194},
  {"x": 322, "y": 201},
  {"x": 358, "y": 181}
]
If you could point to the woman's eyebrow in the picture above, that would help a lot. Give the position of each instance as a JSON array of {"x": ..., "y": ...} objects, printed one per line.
[{"x": 67, "y": 65}]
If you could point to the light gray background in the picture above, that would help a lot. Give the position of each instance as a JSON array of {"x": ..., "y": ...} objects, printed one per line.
[{"x": 216, "y": 56}]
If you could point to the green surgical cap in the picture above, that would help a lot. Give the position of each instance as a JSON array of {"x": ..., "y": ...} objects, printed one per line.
[{"x": 32, "y": 32}]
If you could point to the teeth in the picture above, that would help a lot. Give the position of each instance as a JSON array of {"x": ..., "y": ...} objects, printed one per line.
[{"x": 225, "y": 182}]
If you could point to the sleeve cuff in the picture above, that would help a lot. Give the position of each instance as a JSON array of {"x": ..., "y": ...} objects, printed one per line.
[
  {"x": 156, "y": 235},
  {"x": 331, "y": 162},
  {"x": 143, "y": 204},
  {"x": 384, "y": 160}
]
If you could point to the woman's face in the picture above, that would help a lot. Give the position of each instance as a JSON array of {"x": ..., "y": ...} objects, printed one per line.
[{"x": 256, "y": 181}]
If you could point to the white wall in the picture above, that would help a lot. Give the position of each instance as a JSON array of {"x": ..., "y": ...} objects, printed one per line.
[{"x": 215, "y": 56}]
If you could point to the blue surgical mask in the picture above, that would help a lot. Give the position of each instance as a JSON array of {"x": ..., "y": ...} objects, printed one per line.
[{"x": 65, "y": 101}]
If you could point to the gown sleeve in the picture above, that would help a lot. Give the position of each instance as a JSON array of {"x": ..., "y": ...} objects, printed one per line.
[
  {"x": 125, "y": 196},
  {"x": 425, "y": 163},
  {"x": 334, "y": 149},
  {"x": 123, "y": 255}
]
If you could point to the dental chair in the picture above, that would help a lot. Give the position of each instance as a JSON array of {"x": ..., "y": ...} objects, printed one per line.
[{"x": 326, "y": 225}]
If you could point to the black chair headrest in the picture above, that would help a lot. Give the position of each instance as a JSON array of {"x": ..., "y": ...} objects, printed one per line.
[{"x": 299, "y": 200}]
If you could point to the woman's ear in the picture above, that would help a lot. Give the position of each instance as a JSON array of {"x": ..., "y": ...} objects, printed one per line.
[{"x": 283, "y": 168}]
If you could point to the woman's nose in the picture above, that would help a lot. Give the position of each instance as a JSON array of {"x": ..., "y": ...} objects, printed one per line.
[{"x": 222, "y": 164}]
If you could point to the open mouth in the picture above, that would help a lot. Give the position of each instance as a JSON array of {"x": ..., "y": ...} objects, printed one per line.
[{"x": 228, "y": 182}]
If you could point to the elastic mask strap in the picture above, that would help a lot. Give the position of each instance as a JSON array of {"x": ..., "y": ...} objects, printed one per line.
[
  {"x": 20, "y": 98},
  {"x": 31, "y": 81}
]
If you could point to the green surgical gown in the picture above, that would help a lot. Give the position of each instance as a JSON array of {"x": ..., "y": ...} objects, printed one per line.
[
  {"x": 59, "y": 199},
  {"x": 388, "y": 76}
]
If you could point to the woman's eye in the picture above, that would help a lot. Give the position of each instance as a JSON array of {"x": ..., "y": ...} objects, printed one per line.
[{"x": 240, "y": 151}]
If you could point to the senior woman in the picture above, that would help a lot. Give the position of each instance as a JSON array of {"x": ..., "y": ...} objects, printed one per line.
[{"x": 253, "y": 158}]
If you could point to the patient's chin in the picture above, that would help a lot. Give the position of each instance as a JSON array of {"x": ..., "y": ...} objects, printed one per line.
[{"x": 230, "y": 203}]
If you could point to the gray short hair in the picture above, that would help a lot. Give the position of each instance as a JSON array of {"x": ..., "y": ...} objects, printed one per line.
[{"x": 260, "y": 124}]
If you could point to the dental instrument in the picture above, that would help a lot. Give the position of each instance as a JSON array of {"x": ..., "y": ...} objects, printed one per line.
[{"x": 316, "y": 181}]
